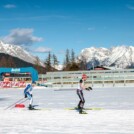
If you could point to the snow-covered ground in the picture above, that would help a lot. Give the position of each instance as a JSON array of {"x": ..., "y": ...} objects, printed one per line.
[{"x": 116, "y": 117}]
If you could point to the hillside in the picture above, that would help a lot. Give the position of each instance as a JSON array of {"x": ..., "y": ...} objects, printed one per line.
[
  {"x": 18, "y": 51},
  {"x": 7, "y": 60}
]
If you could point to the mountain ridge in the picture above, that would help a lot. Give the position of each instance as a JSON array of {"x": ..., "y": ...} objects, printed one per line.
[
  {"x": 18, "y": 51},
  {"x": 119, "y": 56}
]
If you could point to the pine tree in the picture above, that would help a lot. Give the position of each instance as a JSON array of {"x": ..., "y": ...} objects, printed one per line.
[
  {"x": 37, "y": 61},
  {"x": 72, "y": 56},
  {"x": 47, "y": 62},
  {"x": 67, "y": 61},
  {"x": 74, "y": 65},
  {"x": 55, "y": 61},
  {"x": 82, "y": 63},
  {"x": 67, "y": 57}
]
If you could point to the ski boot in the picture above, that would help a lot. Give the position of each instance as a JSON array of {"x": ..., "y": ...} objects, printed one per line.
[
  {"x": 82, "y": 112},
  {"x": 31, "y": 107}
]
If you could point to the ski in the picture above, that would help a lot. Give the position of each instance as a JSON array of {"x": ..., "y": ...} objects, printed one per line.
[
  {"x": 34, "y": 109},
  {"x": 83, "y": 112},
  {"x": 92, "y": 108},
  {"x": 42, "y": 109}
]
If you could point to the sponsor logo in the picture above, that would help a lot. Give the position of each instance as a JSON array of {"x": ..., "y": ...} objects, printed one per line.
[{"x": 15, "y": 70}]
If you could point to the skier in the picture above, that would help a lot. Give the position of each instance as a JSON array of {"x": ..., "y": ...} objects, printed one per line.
[
  {"x": 80, "y": 89},
  {"x": 28, "y": 94}
]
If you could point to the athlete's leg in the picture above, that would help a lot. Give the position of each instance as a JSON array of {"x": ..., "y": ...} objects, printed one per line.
[
  {"x": 82, "y": 100},
  {"x": 78, "y": 93},
  {"x": 30, "y": 100}
]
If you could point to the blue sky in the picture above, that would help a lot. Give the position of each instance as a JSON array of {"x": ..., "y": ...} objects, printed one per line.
[{"x": 56, "y": 25}]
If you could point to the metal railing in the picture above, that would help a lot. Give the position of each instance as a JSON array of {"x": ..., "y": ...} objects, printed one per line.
[{"x": 99, "y": 78}]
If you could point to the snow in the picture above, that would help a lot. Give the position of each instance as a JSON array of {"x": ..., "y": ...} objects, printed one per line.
[
  {"x": 121, "y": 56},
  {"x": 117, "y": 115},
  {"x": 17, "y": 51}
]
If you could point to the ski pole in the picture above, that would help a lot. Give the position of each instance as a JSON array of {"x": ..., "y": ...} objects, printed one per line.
[
  {"x": 23, "y": 101},
  {"x": 20, "y": 102},
  {"x": 14, "y": 103}
]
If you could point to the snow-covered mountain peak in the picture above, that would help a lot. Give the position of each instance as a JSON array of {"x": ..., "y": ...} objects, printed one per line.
[
  {"x": 97, "y": 53},
  {"x": 17, "y": 51},
  {"x": 120, "y": 56}
]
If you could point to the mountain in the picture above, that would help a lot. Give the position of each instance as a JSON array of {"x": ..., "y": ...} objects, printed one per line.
[
  {"x": 17, "y": 51},
  {"x": 14, "y": 62},
  {"x": 120, "y": 56}
]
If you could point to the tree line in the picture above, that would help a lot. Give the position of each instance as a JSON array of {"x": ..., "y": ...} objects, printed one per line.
[{"x": 71, "y": 62}]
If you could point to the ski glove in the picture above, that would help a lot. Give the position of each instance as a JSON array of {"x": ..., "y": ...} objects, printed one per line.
[
  {"x": 25, "y": 95},
  {"x": 89, "y": 88}
]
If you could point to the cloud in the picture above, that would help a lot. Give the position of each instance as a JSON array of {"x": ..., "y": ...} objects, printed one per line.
[
  {"x": 9, "y": 6},
  {"x": 21, "y": 36},
  {"x": 130, "y": 7},
  {"x": 34, "y": 18},
  {"x": 43, "y": 50}
]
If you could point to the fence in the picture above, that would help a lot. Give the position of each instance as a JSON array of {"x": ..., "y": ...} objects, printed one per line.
[{"x": 99, "y": 78}]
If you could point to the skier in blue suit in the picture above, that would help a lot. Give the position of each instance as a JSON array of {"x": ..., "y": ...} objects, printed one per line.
[{"x": 28, "y": 94}]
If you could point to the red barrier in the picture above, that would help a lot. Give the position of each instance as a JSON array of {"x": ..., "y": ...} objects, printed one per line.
[
  {"x": 15, "y": 84},
  {"x": 10, "y": 84},
  {"x": 22, "y": 84},
  {"x": 19, "y": 105},
  {"x": 6, "y": 84}
]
